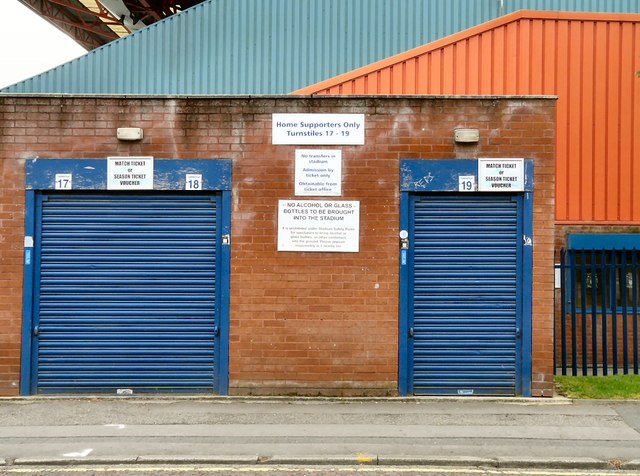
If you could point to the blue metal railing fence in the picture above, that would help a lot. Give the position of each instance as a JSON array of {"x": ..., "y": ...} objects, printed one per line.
[{"x": 598, "y": 312}]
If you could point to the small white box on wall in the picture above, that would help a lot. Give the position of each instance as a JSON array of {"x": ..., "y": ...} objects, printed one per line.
[{"x": 130, "y": 133}]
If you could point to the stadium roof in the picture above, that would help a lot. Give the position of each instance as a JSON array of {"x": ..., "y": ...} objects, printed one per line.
[{"x": 93, "y": 23}]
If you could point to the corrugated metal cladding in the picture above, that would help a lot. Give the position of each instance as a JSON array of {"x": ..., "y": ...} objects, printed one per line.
[
  {"x": 591, "y": 61},
  {"x": 273, "y": 46},
  {"x": 125, "y": 293},
  {"x": 465, "y": 294}
]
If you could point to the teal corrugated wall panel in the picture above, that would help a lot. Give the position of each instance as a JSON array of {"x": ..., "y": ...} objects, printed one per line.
[{"x": 275, "y": 46}]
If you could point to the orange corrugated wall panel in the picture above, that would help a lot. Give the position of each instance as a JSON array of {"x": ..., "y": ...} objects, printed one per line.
[{"x": 590, "y": 61}]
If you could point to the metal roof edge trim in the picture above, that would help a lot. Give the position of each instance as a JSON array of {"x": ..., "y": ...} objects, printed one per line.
[
  {"x": 586, "y": 223},
  {"x": 266, "y": 96},
  {"x": 461, "y": 35},
  {"x": 95, "y": 51}
]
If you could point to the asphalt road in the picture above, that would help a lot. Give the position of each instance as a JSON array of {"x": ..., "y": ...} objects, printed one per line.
[
  {"x": 203, "y": 470},
  {"x": 421, "y": 433}
]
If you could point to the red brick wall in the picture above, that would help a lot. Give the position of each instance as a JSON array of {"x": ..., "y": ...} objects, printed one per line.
[
  {"x": 11, "y": 243},
  {"x": 301, "y": 323}
]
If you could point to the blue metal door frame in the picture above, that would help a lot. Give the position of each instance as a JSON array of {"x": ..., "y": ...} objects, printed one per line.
[
  {"x": 91, "y": 174},
  {"x": 424, "y": 176}
]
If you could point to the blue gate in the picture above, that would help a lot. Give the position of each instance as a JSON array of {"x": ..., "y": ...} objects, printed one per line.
[
  {"x": 466, "y": 302},
  {"x": 598, "y": 314},
  {"x": 125, "y": 292}
]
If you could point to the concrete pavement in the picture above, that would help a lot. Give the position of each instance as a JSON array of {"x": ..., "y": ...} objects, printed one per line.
[{"x": 551, "y": 433}]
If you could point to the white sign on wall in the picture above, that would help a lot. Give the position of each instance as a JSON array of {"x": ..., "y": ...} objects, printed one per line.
[
  {"x": 63, "y": 182},
  {"x": 193, "y": 182},
  {"x": 500, "y": 175},
  {"x": 319, "y": 225},
  {"x": 319, "y": 172},
  {"x": 326, "y": 129},
  {"x": 129, "y": 173},
  {"x": 466, "y": 183}
]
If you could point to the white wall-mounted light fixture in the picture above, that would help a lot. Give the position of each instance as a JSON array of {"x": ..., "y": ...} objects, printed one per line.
[
  {"x": 466, "y": 135},
  {"x": 129, "y": 133}
]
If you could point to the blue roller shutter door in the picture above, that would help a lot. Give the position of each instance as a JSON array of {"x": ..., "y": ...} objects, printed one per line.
[
  {"x": 126, "y": 295},
  {"x": 466, "y": 254}
]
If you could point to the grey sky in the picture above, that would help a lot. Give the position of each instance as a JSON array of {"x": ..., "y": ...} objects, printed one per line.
[{"x": 29, "y": 44}]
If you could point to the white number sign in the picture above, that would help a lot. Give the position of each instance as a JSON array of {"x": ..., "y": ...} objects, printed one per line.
[
  {"x": 193, "y": 182},
  {"x": 466, "y": 183},
  {"x": 63, "y": 182}
]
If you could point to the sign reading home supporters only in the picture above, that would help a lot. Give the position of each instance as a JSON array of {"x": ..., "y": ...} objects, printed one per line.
[
  {"x": 129, "y": 173},
  {"x": 319, "y": 225},
  {"x": 326, "y": 129}
]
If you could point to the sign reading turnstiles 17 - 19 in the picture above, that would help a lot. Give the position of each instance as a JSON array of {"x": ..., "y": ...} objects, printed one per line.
[{"x": 325, "y": 129}]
